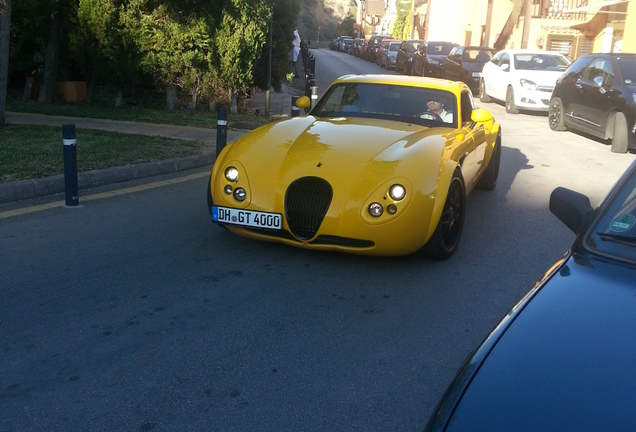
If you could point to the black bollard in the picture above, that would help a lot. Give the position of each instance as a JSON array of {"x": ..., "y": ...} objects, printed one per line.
[
  {"x": 314, "y": 93},
  {"x": 294, "y": 108},
  {"x": 221, "y": 129},
  {"x": 71, "y": 194}
]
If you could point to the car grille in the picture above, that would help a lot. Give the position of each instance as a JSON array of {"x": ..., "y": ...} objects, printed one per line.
[
  {"x": 306, "y": 203},
  {"x": 545, "y": 89}
]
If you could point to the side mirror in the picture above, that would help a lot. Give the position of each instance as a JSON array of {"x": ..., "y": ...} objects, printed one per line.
[
  {"x": 303, "y": 102},
  {"x": 572, "y": 208},
  {"x": 505, "y": 67},
  {"x": 598, "y": 80},
  {"x": 480, "y": 115}
]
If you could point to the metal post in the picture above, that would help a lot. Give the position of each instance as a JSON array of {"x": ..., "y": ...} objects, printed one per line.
[
  {"x": 294, "y": 108},
  {"x": 71, "y": 194},
  {"x": 221, "y": 129},
  {"x": 314, "y": 93}
]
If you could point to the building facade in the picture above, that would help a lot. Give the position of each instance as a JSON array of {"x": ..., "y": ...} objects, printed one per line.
[{"x": 572, "y": 27}]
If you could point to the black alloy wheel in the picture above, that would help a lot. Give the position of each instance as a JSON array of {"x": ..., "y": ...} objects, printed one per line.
[
  {"x": 451, "y": 223},
  {"x": 555, "y": 115}
]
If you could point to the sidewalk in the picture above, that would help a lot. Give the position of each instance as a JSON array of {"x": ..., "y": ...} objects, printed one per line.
[{"x": 280, "y": 107}]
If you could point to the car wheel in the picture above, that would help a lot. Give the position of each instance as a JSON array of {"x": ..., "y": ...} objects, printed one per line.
[
  {"x": 488, "y": 180},
  {"x": 511, "y": 107},
  {"x": 555, "y": 115},
  {"x": 619, "y": 135},
  {"x": 483, "y": 96},
  {"x": 449, "y": 228}
]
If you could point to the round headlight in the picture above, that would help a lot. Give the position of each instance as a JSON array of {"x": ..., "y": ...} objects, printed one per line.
[
  {"x": 231, "y": 174},
  {"x": 375, "y": 209},
  {"x": 228, "y": 189},
  {"x": 397, "y": 192},
  {"x": 239, "y": 194}
]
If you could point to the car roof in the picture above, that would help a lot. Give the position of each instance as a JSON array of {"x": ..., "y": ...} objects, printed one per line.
[
  {"x": 531, "y": 51},
  {"x": 454, "y": 87}
]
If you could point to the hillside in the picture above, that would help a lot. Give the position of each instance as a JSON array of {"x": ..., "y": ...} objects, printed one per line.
[{"x": 326, "y": 15}]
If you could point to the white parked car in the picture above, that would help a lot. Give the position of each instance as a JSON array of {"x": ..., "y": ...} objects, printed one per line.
[{"x": 523, "y": 78}]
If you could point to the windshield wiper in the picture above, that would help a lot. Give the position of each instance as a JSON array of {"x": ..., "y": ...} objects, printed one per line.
[{"x": 617, "y": 238}]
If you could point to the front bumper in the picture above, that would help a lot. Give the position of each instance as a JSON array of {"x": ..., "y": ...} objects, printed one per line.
[{"x": 533, "y": 100}]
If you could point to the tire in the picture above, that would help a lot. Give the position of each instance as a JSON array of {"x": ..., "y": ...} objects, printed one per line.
[
  {"x": 511, "y": 107},
  {"x": 451, "y": 223},
  {"x": 488, "y": 180},
  {"x": 483, "y": 96},
  {"x": 555, "y": 115},
  {"x": 619, "y": 135}
]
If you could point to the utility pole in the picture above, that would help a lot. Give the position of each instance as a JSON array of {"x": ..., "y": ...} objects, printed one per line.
[
  {"x": 268, "y": 75},
  {"x": 526, "y": 24}
]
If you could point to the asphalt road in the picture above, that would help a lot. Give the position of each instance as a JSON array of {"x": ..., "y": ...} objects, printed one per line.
[{"x": 134, "y": 312}]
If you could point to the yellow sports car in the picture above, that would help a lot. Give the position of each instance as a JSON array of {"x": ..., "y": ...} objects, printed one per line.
[{"x": 381, "y": 165}]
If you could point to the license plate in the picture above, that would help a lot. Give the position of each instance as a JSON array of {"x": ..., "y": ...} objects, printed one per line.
[{"x": 249, "y": 218}]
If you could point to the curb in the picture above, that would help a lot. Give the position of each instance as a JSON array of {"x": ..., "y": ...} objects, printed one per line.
[{"x": 33, "y": 188}]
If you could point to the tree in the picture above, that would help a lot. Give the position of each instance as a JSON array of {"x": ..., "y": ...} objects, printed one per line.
[
  {"x": 285, "y": 21},
  {"x": 99, "y": 45},
  {"x": 5, "y": 25},
  {"x": 175, "y": 47}
]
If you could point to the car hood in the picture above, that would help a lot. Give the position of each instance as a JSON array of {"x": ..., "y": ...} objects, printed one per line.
[
  {"x": 567, "y": 360},
  {"x": 339, "y": 140},
  {"x": 439, "y": 58},
  {"x": 540, "y": 78}
]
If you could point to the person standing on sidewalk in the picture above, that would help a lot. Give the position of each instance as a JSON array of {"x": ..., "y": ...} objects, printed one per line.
[{"x": 295, "y": 52}]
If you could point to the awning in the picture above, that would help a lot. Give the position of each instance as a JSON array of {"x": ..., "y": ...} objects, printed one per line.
[
  {"x": 596, "y": 5},
  {"x": 595, "y": 25}
]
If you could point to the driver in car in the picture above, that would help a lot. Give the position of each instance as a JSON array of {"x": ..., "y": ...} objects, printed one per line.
[{"x": 436, "y": 106}]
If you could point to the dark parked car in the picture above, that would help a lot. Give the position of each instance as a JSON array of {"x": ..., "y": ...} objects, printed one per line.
[
  {"x": 405, "y": 55},
  {"x": 372, "y": 46},
  {"x": 429, "y": 59},
  {"x": 464, "y": 63},
  {"x": 563, "y": 359},
  {"x": 597, "y": 95}
]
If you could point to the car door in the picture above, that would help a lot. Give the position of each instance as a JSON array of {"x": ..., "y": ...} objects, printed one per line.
[
  {"x": 418, "y": 60},
  {"x": 452, "y": 64},
  {"x": 499, "y": 77},
  {"x": 594, "y": 91},
  {"x": 474, "y": 138}
]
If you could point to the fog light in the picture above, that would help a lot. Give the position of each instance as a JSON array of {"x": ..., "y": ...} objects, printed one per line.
[
  {"x": 228, "y": 190},
  {"x": 391, "y": 209},
  {"x": 397, "y": 192},
  {"x": 231, "y": 174},
  {"x": 239, "y": 194},
  {"x": 375, "y": 209}
]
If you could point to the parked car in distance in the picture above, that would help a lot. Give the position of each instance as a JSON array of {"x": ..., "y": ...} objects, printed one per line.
[
  {"x": 563, "y": 357},
  {"x": 428, "y": 60},
  {"x": 372, "y": 46},
  {"x": 388, "y": 53},
  {"x": 523, "y": 78},
  {"x": 464, "y": 63},
  {"x": 597, "y": 95},
  {"x": 355, "y": 48},
  {"x": 405, "y": 55},
  {"x": 383, "y": 45}
]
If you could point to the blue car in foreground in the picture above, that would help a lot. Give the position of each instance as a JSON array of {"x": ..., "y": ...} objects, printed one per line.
[{"x": 564, "y": 358}]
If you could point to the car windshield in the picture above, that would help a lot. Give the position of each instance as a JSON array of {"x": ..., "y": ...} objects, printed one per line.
[
  {"x": 394, "y": 46},
  {"x": 614, "y": 233},
  {"x": 628, "y": 70},
  {"x": 388, "y": 102},
  {"x": 479, "y": 55},
  {"x": 541, "y": 62},
  {"x": 439, "y": 48}
]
